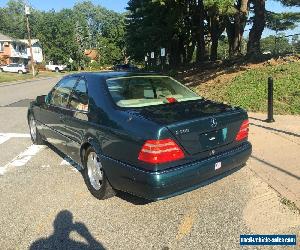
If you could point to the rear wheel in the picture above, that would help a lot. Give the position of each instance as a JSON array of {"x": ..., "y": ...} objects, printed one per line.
[
  {"x": 20, "y": 72},
  {"x": 34, "y": 133},
  {"x": 95, "y": 177},
  {"x": 56, "y": 70},
  {"x": 1, "y": 70}
]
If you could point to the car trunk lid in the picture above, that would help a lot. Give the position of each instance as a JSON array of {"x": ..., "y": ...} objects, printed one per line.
[{"x": 199, "y": 126}]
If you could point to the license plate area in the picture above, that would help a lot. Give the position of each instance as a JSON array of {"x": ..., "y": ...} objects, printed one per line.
[{"x": 211, "y": 139}]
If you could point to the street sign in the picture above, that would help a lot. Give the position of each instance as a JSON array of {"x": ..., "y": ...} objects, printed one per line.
[
  {"x": 163, "y": 52},
  {"x": 152, "y": 55},
  {"x": 27, "y": 10}
]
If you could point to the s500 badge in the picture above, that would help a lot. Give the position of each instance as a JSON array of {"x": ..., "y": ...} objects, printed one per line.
[{"x": 182, "y": 131}]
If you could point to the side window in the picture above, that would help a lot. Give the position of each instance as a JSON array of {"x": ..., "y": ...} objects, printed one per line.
[
  {"x": 61, "y": 93},
  {"x": 79, "y": 98}
]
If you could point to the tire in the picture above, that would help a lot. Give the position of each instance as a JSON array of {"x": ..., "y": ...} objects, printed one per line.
[
  {"x": 1, "y": 70},
  {"x": 94, "y": 176},
  {"x": 57, "y": 70},
  {"x": 36, "y": 137},
  {"x": 20, "y": 72}
]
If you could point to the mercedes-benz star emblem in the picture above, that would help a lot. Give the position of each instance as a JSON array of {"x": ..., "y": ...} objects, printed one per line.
[{"x": 213, "y": 122}]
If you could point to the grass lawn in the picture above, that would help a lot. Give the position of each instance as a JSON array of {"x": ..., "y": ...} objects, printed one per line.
[
  {"x": 9, "y": 77},
  {"x": 249, "y": 89}
]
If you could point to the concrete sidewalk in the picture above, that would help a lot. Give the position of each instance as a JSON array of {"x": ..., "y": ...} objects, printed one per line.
[{"x": 276, "y": 153}]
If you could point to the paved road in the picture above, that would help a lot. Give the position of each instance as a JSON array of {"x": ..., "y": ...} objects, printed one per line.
[{"x": 44, "y": 201}]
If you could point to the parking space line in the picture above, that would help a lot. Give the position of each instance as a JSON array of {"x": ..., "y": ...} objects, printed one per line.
[
  {"x": 22, "y": 159},
  {"x": 4, "y": 138},
  {"x": 14, "y": 135},
  {"x": 70, "y": 163}
]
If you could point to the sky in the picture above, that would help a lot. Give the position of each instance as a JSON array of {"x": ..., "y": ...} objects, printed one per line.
[
  {"x": 120, "y": 5},
  {"x": 116, "y": 5}
]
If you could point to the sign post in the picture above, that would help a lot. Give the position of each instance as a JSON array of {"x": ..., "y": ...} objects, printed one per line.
[
  {"x": 162, "y": 58},
  {"x": 152, "y": 55},
  {"x": 27, "y": 13}
]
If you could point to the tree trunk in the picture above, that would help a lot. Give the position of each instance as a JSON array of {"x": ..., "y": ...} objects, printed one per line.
[
  {"x": 259, "y": 22},
  {"x": 198, "y": 23},
  {"x": 216, "y": 26},
  {"x": 214, "y": 49},
  {"x": 190, "y": 52},
  {"x": 174, "y": 53},
  {"x": 236, "y": 29}
]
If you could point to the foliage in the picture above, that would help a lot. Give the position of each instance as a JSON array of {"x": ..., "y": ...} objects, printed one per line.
[
  {"x": 68, "y": 33},
  {"x": 290, "y": 2},
  {"x": 249, "y": 89},
  {"x": 276, "y": 45},
  {"x": 282, "y": 21}
]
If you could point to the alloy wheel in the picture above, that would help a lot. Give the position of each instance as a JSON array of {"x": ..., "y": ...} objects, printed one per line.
[
  {"x": 95, "y": 171},
  {"x": 32, "y": 125}
]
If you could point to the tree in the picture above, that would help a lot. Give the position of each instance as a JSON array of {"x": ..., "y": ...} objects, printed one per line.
[
  {"x": 276, "y": 45},
  {"x": 217, "y": 12},
  {"x": 13, "y": 20},
  {"x": 68, "y": 33},
  {"x": 259, "y": 21},
  {"x": 274, "y": 21},
  {"x": 282, "y": 21},
  {"x": 290, "y": 2},
  {"x": 235, "y": 26}
]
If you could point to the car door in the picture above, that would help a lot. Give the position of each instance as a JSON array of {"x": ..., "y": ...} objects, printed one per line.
[
  {"x": 53, "y": 116},
  {"x": 77, "y": 119},
  {"x": 8, "y": 68},
  {"x": 14, "y": 68}
]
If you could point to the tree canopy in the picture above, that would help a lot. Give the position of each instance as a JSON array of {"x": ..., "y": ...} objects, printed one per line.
[
  {"x": 68, "y": 33},
  {"x": 191, "y": 31}
]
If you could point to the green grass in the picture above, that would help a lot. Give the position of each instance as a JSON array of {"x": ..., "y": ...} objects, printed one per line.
[
  {"x": 10, "y": 77},
  {"x": 249, "y": 89}
]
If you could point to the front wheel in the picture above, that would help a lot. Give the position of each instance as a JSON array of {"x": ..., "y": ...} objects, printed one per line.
[
  {"x": 95, "y": 177},
  {"x": 34, "y": 133},
  {"x": 20, "y": 72},
  {"x": 57, "y": 70}
]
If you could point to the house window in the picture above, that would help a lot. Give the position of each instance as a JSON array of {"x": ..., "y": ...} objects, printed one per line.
[{"x": 1, "y": 47}]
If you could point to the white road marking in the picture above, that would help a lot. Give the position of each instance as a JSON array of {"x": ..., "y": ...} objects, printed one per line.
[
  {"x": 22, "y": 158},
  {"x": 65, "y": 162},
  {"x": 45, "y": 166},
  {"x": 15, "y": 135},
  {"x": 70, "y": 163},
  {"x": 4, "y": 138}
]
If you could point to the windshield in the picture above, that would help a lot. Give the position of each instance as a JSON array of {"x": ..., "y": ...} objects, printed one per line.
[{"x": 142, "y": 91}]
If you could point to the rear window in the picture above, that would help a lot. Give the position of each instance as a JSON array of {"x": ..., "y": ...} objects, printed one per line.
[{"x": 142, "y": 91}]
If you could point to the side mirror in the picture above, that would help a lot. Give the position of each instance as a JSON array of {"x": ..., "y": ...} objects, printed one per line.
[{"x": 41, "y": 99}]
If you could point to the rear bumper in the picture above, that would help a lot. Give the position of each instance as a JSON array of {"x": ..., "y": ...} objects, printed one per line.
[{"x": 171, "y": 182}]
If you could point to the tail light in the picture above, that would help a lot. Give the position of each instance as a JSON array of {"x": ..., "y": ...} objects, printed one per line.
[
  {"x": 160, "y": 151},
  {"x": 243, "y": 132}
]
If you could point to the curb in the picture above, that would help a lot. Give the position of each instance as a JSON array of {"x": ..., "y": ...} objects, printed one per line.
[{"x": 4, "y": 84}]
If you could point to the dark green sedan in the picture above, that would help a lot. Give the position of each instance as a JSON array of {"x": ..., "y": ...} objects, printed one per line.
[{"x": 144, "y": 134}]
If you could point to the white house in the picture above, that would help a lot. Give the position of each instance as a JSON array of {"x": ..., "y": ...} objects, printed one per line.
[{"x": 36, "y": 50}]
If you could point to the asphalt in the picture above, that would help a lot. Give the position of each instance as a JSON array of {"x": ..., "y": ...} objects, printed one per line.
[{"x": 44, "y": 202}]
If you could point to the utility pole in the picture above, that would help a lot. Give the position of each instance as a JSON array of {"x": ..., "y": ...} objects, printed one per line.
[{"x": 27, "y": 13}]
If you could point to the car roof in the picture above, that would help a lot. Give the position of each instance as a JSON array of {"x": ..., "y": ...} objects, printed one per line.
[{"x": 104, "y": 75}]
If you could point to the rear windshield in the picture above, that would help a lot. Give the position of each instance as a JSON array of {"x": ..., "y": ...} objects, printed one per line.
[{"x": 142, "y": 91}]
